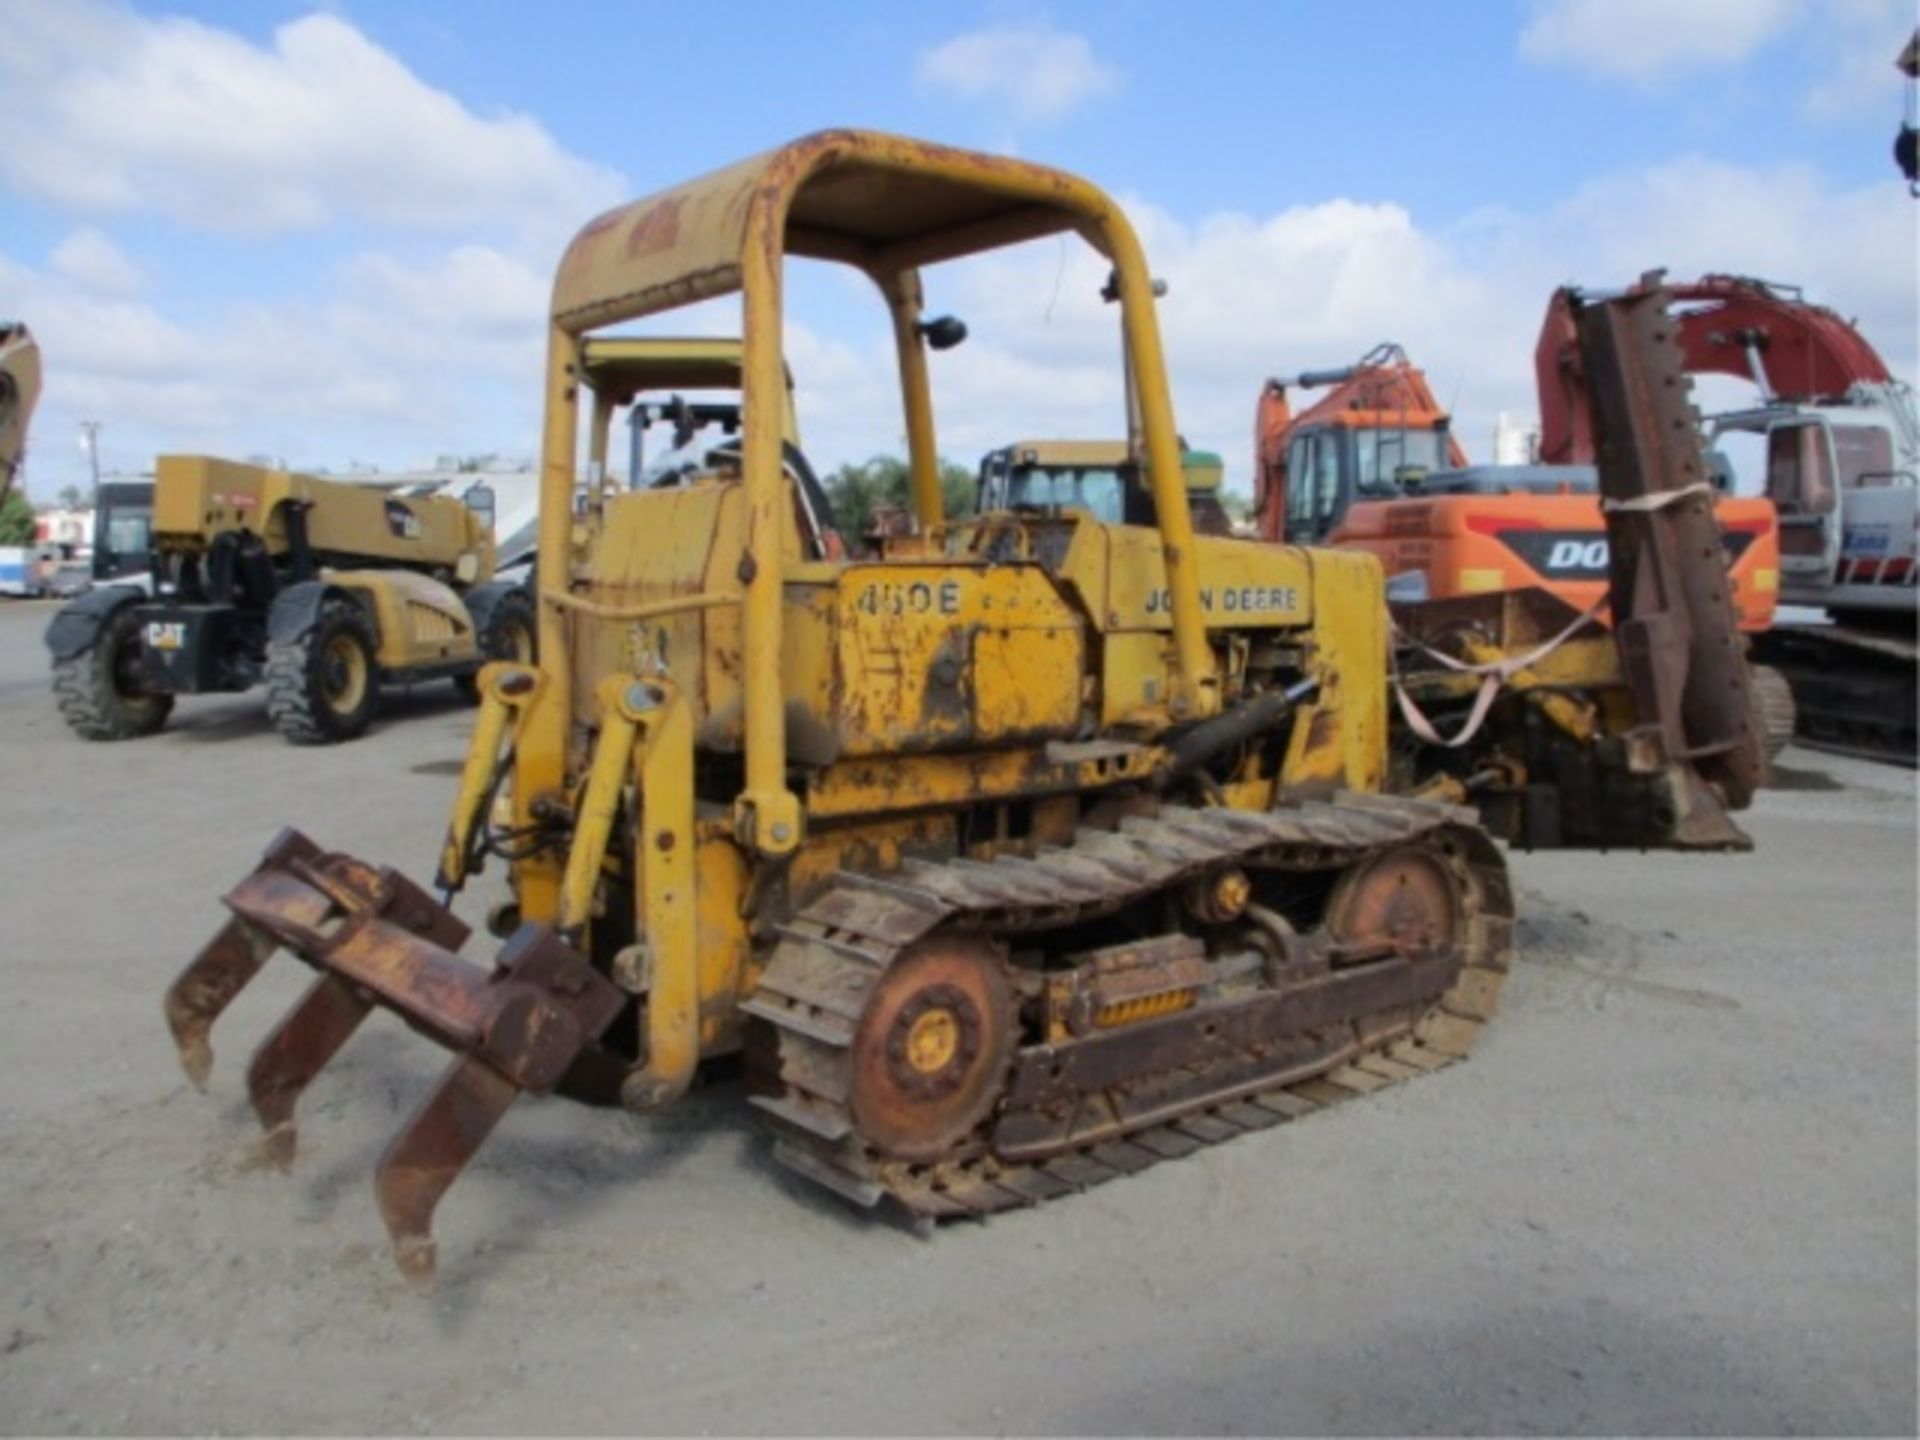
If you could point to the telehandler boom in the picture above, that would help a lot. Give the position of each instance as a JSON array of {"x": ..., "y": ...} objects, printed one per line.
[{"x": 1025, "y": 854}]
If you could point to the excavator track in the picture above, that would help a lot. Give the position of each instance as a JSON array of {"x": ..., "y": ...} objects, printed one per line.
[
  {"x": 1069, "y": 1114},
  {"x": 1852, "y": 686}
]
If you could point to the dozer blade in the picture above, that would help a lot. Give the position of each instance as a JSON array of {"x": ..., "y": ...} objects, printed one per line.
[{"x": 376, "y": 938}]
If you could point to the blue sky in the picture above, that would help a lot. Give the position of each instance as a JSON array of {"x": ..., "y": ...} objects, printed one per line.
[{"x": 325, "y": 233}]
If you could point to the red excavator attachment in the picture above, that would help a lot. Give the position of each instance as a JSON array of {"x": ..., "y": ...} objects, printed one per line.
[{"x": 532, "y": 1023}]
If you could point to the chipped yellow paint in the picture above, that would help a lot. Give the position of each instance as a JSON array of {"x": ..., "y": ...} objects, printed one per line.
[
  {"x": 982, "y": 686},
  {"x": 944, "y": 656}
]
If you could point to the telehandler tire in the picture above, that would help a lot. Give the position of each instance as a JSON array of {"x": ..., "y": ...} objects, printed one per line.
[
  {"x": 323, "y": 685},
  {"x": 505, "y": 632},
  {"x": 99, "y": 692}
]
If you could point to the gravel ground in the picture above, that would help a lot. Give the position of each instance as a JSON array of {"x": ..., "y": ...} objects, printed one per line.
[{"x": 1674, "y": 1191}]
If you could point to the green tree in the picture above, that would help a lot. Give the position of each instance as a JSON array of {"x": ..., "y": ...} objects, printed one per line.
[
  {"x": 16, "y": 519},
  {"x": 856, "y": 491},
  {"x": 72, "y": 497}
]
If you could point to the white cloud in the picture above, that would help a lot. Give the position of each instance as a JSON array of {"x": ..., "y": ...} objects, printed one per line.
[
  {"x": 1650, "y": 39},
  {"x": 1317, "y": 285},
  {"x": 489, "y": 292},
  {"x": 107, "y": 111},
  {"x": 388, "y": 360},
  {"x": 1040, "y": 72},
  {"x": 91, "y": 260},
  {"x": 1858, "y": 40}
]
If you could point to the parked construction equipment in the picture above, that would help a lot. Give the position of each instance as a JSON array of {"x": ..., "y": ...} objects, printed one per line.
[
  {"x": 1373, "y": 464},
  {"x": 320, "y": 589},
  {"x": 1100, "y": 477},
  {"x": 123, "y": 533},
  {"x": 1025, "y": 854},
  {"x": 1517, "y": 612},
  {"x": 1842, "y": 456},
  {"x": 927, "y": 833}
]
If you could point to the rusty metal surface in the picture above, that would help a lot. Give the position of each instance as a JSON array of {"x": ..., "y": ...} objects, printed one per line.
[
  {"x": 870, "y": 197},
  {"x": 531, "y": 1022},
  {"x": 1674, "y": 618},
  {"x": 296, "y": 1050},
  {"x": 1405, "y": 895},
  {"x": 205, "y": 988},
  {"x": 1355, "y": 1015},
  {"x": 930, "y": 1053},
  {"x": 431, "y": 1150}
]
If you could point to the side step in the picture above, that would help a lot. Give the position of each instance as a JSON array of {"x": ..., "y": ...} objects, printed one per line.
[{"x": 376, "y": 938}]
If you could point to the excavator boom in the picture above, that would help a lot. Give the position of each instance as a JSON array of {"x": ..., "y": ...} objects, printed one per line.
[
  {"x": 19, "y": 389},
  {"x": 1795, "y": 351}
]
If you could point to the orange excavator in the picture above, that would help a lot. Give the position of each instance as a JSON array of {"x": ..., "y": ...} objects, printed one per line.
[
  {"x": 1558, "y": 640},
  {"x": 1375, "y": 433},
  {"x": 1373, "y": 464}
]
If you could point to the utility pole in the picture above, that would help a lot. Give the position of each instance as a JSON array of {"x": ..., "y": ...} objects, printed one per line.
[{"x": 90, "y": 442}]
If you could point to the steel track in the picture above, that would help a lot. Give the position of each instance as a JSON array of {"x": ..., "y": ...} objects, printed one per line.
[{"x": 830, "y": 957}]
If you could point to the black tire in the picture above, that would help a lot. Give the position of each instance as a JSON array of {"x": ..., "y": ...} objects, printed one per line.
[
  {"x": 507, "y": 631},
  {"x": 99, "y": 691},
  {"x": 323, "y": 686},
  {"x": 1773, "y": 707}
]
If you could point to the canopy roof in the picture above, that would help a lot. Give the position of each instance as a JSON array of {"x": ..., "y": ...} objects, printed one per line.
[
  {"x": 1069, "y": 452},
  {"x": 621, "y": 366},
  {"x": 878, "y": 201}
]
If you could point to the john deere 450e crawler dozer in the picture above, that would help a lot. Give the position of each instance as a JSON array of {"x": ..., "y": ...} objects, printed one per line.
[{"x": 1027, "y": 853}]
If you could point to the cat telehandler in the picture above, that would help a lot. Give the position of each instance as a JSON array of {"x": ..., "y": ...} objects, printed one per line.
[
  {"x": 319, "y": 589},
  {"x": 1028, "y": 853}
]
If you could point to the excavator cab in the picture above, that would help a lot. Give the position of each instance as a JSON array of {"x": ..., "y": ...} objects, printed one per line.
[
  {"x": 1376, "y": 434},
  {"x": 1823, "y": 463},
  {"x": 1332, "y": 465}
]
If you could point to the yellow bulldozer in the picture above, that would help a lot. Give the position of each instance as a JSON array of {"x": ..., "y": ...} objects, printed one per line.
[{"x": 1027, "y": 853}]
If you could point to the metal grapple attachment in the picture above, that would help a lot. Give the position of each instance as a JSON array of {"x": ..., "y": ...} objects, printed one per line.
[{"x": 532, "y": 1023}]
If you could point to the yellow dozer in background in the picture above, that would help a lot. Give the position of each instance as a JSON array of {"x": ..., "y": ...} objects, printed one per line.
[{"x": 1030, "y": 852}]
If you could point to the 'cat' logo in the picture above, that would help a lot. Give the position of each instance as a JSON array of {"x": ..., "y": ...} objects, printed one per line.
[{"x": 402, "y": 522}]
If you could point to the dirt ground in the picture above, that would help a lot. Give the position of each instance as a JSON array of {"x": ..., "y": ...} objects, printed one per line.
[{"x": 1674, "y": 1190}]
